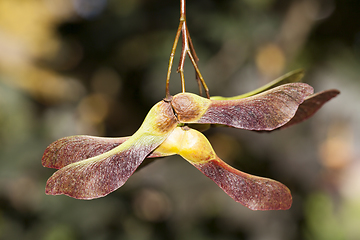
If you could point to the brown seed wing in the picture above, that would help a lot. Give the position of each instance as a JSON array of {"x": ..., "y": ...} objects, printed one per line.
[
  {"x": 265, "y": 111},
  {"x": 72, "y": 149},
  {"x": 254, "y": 192},
  {"x": 311, "y": 105},
  {"x": 98, "y": 176}
]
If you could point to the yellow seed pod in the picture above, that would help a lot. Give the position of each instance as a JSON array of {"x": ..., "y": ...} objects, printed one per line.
[{"x": 188, "y": 143}]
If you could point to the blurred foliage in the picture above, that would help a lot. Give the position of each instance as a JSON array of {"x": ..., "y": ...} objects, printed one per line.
[{"x": 95, "y": 67}]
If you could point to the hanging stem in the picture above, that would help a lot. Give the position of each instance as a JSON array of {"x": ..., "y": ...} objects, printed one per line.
[
  {"x": 192, "y": 49},
  {"x": 187, "y": 48},
  {"x": 171, "y": 61},
  {"x": 184, "y": 50}
]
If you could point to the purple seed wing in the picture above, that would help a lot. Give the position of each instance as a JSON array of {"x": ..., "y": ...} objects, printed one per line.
[
  {"x": 311, "y": 105},
  {"x": 99, "y": 175},
  {"x": 255, "y": 193},
  {"x": 265, "y": 111},
  {"x": 72, "y": 149}
]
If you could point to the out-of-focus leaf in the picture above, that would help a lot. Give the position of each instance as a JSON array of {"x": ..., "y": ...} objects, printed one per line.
[
  {"x": 98, "y": 176},
  {"x": 265, "y": 111},
  {"x": 290, "y": 77}
]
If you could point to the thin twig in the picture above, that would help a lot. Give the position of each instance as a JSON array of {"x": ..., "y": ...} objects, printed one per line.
[
  {"x": 184, "y": 50},
  {"x": 171, "y": 60},
  {"x": 199, "y": 74},
  {"x": 192, "y": 49},
  {"x": 187, "y": 48}
]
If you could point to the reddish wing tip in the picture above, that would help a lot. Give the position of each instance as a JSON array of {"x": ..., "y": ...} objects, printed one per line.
[{"x": 311, "y": 105}]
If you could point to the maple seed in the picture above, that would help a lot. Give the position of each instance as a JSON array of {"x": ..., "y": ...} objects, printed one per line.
[
  {"x": 254, "y": 192},
  {"x": 265, "y": 111},
  {"x": 92, "y": 167},
  {"x": 99, "y": 175}
]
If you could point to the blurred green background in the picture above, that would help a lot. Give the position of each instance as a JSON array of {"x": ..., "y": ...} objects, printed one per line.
[{"x": 96, "y": 67}]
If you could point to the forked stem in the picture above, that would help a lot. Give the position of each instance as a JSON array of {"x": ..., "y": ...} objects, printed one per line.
[
  {"x": 187, "y": 49},
  {"x": 171, "y": 61}
]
